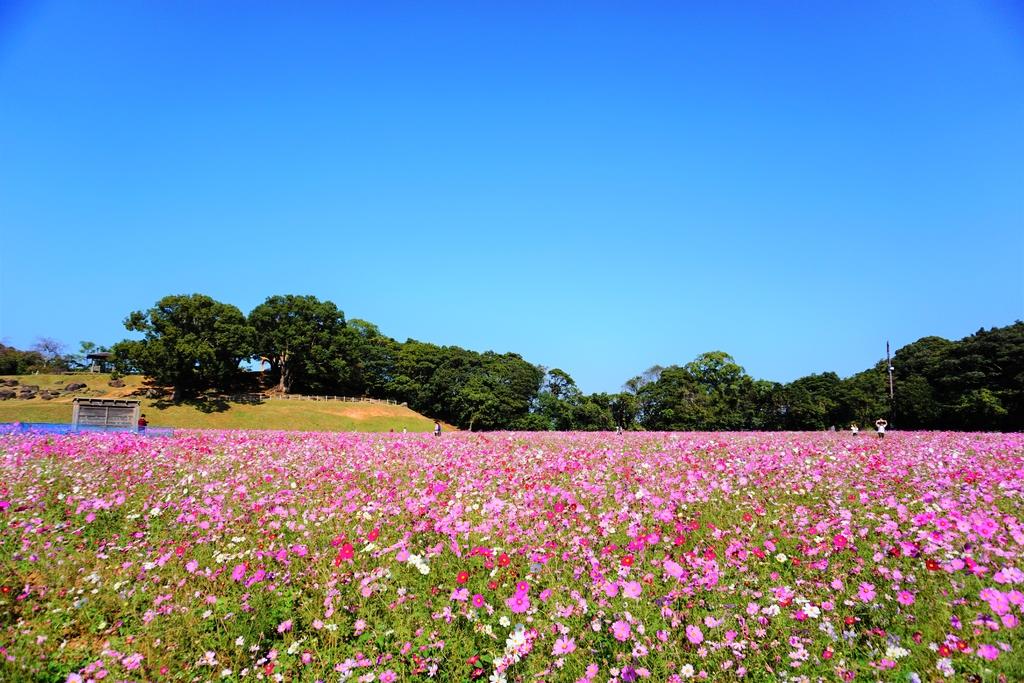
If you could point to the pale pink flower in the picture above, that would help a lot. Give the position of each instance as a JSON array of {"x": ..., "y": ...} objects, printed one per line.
[
  {"x": 563, "y": 646},
  {"x": 621, "y": 630},
  {"x": 632, "y": 589}
]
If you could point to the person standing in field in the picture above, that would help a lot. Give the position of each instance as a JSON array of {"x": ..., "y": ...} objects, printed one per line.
[
  {"x": 142, "y": 423},
  {"x": 880, "y": 425},
  {"x": 437, "y": 428},
  {"x": 854, "y": 429}
]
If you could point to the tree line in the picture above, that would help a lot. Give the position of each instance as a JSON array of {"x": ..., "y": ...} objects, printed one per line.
[{"x": 195, "y": 344}]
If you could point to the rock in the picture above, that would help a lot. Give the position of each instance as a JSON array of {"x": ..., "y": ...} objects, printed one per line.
[
  {"x": 47, "y": 396},
  {"x": 8, "y": 382},
  {"x": 30, "y": 387},
  {"x": 154, "y": 393},
  {"x": 25, "y": 395},
  {"x": 76, "y": 386},
  {"x": 116, "y": 383},
  {"x": 6, "y": 394}
]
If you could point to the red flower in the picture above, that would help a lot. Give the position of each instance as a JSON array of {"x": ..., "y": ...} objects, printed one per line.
[
  {"x": 627, "y": 561},
  {"x": 375, "y": 534},
  {"x": 850, "y": 621},
  {"x": 463, "y": 577},
  {"x": 932, "y": 565},
  {"x": 827, "y": 653},
  {"x": 894, "y": 551},
  {"x": 493, "y": 585},
  {"x": 503, "y": 560},
  {"x": 747, "y": 517},
  {"x": 346, "y": 552},
  {"x": 473, "y": 660},
  {"x": 961, "y": 645},
  {"x": 944, "y": 650}
]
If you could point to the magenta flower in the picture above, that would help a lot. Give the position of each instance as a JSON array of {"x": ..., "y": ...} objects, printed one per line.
[
  {"x": 478, "y": 600},
  {"x": 694, "y": 635},
  {"x": 621, "y": 630},
  {"x": 284, "y": 626},
  {"x": 988, "y": 652},
  {"x": 518, "y": 603},
  {"x": 905, "y": 598},
  {"x": 866, "y": 592},
  {"x": 674, "y": 569}
]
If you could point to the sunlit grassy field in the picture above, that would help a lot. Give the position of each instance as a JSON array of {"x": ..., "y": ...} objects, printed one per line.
[{"x": 287, "y": 415}]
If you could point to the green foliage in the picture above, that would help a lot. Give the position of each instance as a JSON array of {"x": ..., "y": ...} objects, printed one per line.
[
  {"x": 191, "y": 342},
  {"x": 15, "y": 362},
  {"x": 194, "y": 343},
  {"x": 303, "y": 338}
]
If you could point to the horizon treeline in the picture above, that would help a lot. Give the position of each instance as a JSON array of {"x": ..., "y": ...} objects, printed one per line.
[{"x": 196, "y": 345}]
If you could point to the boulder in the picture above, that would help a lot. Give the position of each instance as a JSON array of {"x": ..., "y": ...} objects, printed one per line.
[
  {"x": 8, "y": 382},
  {"x": 116, "y": 383},
  {"x": 76, "y": 386},
  {"x": 47, "y": 396},
  {"x": 25, "y": 395},
  {"x": 6, "y": 394}
]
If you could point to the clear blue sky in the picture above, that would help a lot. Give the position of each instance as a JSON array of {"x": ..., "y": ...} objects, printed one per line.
[{"x": 596, "y": 186}]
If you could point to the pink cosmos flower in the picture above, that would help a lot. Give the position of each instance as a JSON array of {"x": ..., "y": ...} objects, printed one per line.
[
  {"x": 866, "y": 593},
  {"x": 478, "y": 600},
  {"x": 518, "y": 603},
  {"x": 632, "y": 589},
  {"x": 694, "y": 635},
  {"x": 284, "y": 626},
  {"x": 905, "y": 598},
  {"x": 388, "y": 676},
  {"x": 132, "y": 661},
  {"x": 563, "y": 646},
  {"x": 988, "y": 652},
  {"x": 621, "y": 630},
  {"x": 192, "y": 566},
  {"x": 238, "y": 573},
  {"x": 673, "y": 569}
]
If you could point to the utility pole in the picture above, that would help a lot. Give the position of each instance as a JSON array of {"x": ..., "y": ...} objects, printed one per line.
[{"x": 888, "y": 364}]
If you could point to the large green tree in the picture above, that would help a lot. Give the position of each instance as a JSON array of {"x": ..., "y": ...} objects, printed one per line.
[
  {"x": 190, "y": 342},
  {"x": 303, "y": 338}
]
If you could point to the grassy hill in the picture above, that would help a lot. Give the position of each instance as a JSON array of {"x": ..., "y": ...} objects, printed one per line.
[{"x": 326, "y": 416}]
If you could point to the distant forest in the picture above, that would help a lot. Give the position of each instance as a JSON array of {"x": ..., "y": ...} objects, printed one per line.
[{"x": 196, "y": 345}]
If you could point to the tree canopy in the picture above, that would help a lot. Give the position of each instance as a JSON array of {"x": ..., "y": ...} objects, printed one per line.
[{"x": 194, "y": 343}]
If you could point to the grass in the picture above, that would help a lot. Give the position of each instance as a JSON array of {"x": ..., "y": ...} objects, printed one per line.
[{"x": 326, "y": 416}]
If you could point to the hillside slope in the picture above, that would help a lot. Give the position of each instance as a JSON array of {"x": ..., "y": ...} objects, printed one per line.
[{"x": 324, "y": 416}]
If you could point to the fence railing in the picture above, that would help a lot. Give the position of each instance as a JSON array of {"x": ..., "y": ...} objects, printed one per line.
[{"x": 260, "y": 398}]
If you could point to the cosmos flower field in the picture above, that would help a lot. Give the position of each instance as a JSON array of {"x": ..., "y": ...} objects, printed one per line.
[{"x": 242, "y": 556}]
